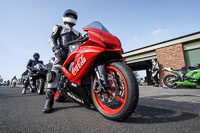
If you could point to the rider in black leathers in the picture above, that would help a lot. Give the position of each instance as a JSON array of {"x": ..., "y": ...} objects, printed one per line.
[
  {"x": 14, "y": 78},
  {"x": 30, "y": 65},
  {"x": 60, "y": 36}
]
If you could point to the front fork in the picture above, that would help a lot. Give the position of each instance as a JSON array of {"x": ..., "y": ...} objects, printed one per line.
[{"x": 101, "y": 77}]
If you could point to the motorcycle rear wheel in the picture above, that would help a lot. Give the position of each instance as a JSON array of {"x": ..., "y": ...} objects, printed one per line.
[
  {"x": 40, "y": 86},
  {"x": 58, "y": 97},
  {"x": 167, "y": 80},
  {"x": 121, "y": 99},
  {"x": 31, "y": 89}
]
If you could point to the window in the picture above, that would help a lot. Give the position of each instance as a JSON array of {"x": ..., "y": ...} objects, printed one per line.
[{"x": 192, "y": 57}]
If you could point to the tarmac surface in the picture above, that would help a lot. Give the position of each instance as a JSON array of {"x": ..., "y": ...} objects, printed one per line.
[{"x": 159, "y": 110}]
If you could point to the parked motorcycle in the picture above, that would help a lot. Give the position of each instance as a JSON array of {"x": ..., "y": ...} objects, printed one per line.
[
  {"x": 37, "y": 78},
  {"x": 186, "y": 76},
  {"x": 95, "y": 74}
]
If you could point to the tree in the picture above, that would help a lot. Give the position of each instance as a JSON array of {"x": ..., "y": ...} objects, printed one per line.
[{"x": 1, "y": 79}]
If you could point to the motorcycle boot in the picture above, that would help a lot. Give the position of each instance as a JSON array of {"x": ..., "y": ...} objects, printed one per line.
[
  {"x": 156, "y": 85},
  {"x": 49, "y": 101},
  {"x": 23, "y": 90}
]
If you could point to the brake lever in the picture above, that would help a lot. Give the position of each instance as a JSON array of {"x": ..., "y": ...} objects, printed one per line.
[{"x": 76, "y": 41}]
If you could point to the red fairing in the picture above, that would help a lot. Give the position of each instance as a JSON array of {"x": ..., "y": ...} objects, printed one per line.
[
  {"x": 84, "y": 59},
  {"x": 85, "y": 55},
  {"x": 106, "y": 38}
]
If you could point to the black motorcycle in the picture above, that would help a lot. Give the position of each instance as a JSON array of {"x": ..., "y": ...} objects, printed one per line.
[
  {"x": 37, "y": 78},
  {"x": 8, "y": 83}
]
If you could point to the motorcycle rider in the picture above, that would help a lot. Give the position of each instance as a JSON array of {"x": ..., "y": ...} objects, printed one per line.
[
  {"x": 59, "y": 37},
  {"x": 8, "y": 82},
  {"x": 155, "y": 72},
  {"x": 14, "y": 78},
  {"x": 30, "y": 65},
  {"x": 23, "y": 76}
]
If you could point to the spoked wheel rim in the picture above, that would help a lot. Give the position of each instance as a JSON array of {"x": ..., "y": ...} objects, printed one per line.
[
  {"x": 56, "y": 95},
  {"x": 114, "y": 100},
  {"x": 169, "y": 81}
]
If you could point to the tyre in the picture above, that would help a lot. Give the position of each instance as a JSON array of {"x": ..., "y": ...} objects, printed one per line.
[
  {"x": 13, "y": 84},
  {"x": 58, "y": 97},
  {"x": 40, "y": 86},
  {"x": 121, "y": 99},
  {"x": 31, "y": 89},
  {"x": 168, "y": 80}
]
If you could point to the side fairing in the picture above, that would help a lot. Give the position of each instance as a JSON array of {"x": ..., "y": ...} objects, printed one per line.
[
  {"x": 195, "y": 74},
  {"x": 83, "y": 57},
  {"x": 105, "y": 37}
]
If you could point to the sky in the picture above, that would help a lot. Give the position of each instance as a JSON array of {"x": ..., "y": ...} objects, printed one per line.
[{"x": 26, "y": 25}]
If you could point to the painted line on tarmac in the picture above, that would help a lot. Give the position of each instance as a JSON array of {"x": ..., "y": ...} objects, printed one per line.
[
  {"x": 155, "y": 98},
  {"x": 176, "y": 110}
]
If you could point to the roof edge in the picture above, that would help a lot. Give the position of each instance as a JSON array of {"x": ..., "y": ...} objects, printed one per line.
[{"x": 164, "y": 42}]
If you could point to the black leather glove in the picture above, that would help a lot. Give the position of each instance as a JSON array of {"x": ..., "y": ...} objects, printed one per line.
[
  {"x": 59, "y": 53},
  {"x": 30, "y": 68}
]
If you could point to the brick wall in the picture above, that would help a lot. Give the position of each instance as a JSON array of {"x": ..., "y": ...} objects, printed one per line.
[{"x": 171, "y": 56}]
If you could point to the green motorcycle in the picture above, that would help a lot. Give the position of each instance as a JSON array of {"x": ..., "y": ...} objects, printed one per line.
[{"x": 186, "y": 76}]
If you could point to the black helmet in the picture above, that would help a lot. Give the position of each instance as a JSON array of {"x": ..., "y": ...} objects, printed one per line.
[
  {"x": 36, "y": 56},
  {"x": 70, "y": 12},
  {"x": 67, "y": 19}
]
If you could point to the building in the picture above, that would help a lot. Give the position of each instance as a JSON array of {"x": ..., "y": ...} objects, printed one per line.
[{"x": 174, "y": 53}]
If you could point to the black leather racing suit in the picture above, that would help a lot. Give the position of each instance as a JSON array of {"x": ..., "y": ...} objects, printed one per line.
[
  {"x": 14, "y": 78},
  {"x": 32, "y": 63},
  {"x": 60, "y": 37},
  {"x": 29, "y": 66}
]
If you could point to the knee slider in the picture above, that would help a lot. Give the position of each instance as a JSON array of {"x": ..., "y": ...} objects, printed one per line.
[{"x": 51, "y": 76}]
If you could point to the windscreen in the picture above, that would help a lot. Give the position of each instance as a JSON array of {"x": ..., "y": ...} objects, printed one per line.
[{"x": 97, "y": 25}]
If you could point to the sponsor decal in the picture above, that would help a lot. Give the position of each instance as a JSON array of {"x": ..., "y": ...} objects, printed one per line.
[
  {"x": 80, "y": 62},
  {"x": 75, "y": 98},
  {"x": 73, "y": 84}
]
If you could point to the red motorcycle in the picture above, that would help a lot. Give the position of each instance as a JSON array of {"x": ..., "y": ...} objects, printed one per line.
[{"x": 95, "y": 74}]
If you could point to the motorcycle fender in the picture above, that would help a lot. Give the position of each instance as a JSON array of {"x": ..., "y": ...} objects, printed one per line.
[{"x": 114, "y": 60}]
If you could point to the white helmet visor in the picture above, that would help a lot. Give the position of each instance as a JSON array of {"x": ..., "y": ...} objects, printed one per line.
[{"x": 69, "y": 20}]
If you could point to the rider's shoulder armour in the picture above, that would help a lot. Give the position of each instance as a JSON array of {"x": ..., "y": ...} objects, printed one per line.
[
  {"x": 65, "y": 30},
  {"x": 76, "y": 32},
  {"x": 56, "y": 29}
]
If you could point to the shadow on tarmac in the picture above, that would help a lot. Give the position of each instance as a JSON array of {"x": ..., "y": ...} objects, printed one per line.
[
  {"x": 151, "y": 115},
  {"x": 143, "y": 114},
  {"x": 55, "y": 109},
  {"x": 14, "y": 95},
  {"x": 168, "y": 96}
]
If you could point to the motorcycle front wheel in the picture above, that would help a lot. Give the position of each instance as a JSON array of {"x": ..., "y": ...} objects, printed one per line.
[
  {"x": 40, "y": 86},
  {"x": 14, "y": 84},
  {"x": 121, "y": 98}
]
